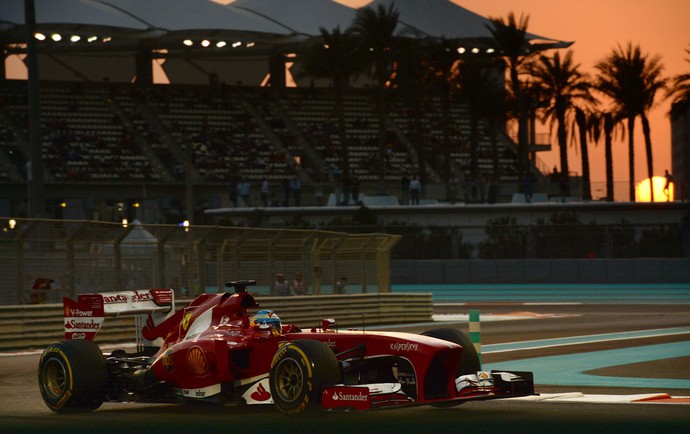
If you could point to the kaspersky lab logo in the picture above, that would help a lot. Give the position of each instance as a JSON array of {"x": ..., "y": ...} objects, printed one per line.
[{"x": 404, "y": 346}]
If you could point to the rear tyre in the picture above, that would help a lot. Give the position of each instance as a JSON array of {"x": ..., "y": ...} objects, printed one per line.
[
  {"x": 299, "y": 372},
  {"x": 469, "y": 360},
  {"x": 72, "y": 376}
]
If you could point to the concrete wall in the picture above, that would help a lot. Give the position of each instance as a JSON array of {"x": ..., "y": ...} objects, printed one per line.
[{"x": 673, "y": 270}]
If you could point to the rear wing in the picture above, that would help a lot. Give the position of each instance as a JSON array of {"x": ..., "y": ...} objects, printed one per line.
[{"x": 84, "y": 317}]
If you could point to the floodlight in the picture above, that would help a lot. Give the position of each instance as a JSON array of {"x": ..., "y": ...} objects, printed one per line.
[
  {"x": 75, "y": 38},
  {"x": 221, "y": 44},
  {"x": 188, "y": 42},
  {"x": 205, "y": 43},
  {"x": 56, "y": 37},
  {"x": 40, "y": 36}
]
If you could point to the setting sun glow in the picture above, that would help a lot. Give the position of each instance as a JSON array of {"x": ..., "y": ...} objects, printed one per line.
[{"x": 661, "y": 193}]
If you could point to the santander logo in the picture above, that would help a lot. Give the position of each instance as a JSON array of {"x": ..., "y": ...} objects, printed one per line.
[
  {"x": 340, "y": 396},
  {"x": 261, "y": 394}
]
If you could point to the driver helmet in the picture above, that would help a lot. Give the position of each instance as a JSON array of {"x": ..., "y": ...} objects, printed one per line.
[{"x": 266, "y": 320}]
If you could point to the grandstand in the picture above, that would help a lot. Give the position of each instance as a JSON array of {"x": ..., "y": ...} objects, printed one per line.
[{"x": 110, "y": 144}]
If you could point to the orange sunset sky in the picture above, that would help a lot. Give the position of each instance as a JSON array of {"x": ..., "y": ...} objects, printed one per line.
[{"x": 660, "y": 27}]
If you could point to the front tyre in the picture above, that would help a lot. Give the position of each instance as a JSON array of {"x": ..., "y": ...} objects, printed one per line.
[
  {"x": 72, "y": 376},
  {"x": 299, "y": 372},
  {"x": 469, "y": 360}
]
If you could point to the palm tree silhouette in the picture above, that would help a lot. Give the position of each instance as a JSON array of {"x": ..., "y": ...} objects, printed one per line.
[
  {"x": 442, "y": 78},
  {"x": 375, "y": 29},
  {"x": 409, "y": 81},
  {"x": 335, "y": 56},
  {"x": 631, "y": 80},
  {"x": 605, "y": 123},
  {"x": 510, "y": 36},
  {"x": 585, "y": 121},
  {"x": 679, "y": 92},
  {"x": 481, "y": 90},
  {"x": 563, "y": 86}
]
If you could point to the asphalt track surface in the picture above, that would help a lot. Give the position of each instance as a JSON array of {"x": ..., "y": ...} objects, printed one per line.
[{"x": 545, "y": 335}]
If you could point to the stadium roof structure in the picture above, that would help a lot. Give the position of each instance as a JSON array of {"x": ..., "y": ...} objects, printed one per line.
[
  {"x": 426, "y": 19},
  {"x": 92, "y": 39},
  {"x": 303, "y": 17},
  {"x": 129, "y": 24}
]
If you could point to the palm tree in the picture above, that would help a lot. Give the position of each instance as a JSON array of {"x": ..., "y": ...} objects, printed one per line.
[
  {"x": 493, "y": 108},
  {"x": 375, "y": 29},
  {"x": 563, "y": 86},
  {"x": 409, "y": 82},
  {"x": 442, "y": 73},
  {"x": 631, "y": 80},
  {"x": 652, "y": 83},
  {"x": 481, "y": 90},
  {"x": 679, "y": 92},
  {"x": 511, "y": 40},
  {"x": 585, "y": 122},
  {"x": 604, "y": 122},
  {"x": 335, "y": 56}
]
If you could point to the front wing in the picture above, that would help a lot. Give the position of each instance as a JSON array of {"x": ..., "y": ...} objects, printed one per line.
[{"x": 480, "y": 386}]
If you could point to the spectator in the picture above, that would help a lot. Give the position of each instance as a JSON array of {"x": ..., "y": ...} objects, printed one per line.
[
  {"x": 667, "y": 185},
  {"x": 281, "y": 286},
  {"x": 296, "y": 188},
  {"x": 354, "y": 186},
  {"x": 337, "y": 189},
  {"x": 286, "y": 192},
  {"x": 318, "y": 192},
  {"x": 265, "y": 191},
  {"x": 297, "y": 284},
  {"x": 244, "y": 190},
  {"x": 405, "y": 190},
  {"x": 415, "y": 188},
  {"x": 347, "y": 185},
  {"x": 232, "y": 193},
  {"x": 528, "y": 187},
  {"x": 340, "y": 285}
]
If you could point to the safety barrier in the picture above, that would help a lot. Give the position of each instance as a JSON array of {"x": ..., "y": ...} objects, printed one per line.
[{"x": 35, "y": 326}]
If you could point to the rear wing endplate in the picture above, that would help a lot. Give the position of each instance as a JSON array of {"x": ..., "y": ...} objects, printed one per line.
[{"x": 84, "y": 317}]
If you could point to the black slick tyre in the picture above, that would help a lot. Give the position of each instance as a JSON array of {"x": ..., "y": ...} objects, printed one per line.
[
  {"x": 299, "y": 372},
  {"x": 469, "y": 360},
  {"x": 72, "y": 376}
]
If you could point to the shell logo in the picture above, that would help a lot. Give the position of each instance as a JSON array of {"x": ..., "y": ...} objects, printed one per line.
[{"x": 196, "y": 360}]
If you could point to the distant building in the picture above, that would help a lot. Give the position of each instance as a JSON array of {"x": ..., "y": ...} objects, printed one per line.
[{"x": 680, "y": 153}]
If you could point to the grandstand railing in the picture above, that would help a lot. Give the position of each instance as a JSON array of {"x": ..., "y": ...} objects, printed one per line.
[{"x": 44, "y": 260}]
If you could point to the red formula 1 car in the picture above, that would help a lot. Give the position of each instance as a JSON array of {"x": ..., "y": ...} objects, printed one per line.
[{"x": 222, "y": 348}]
